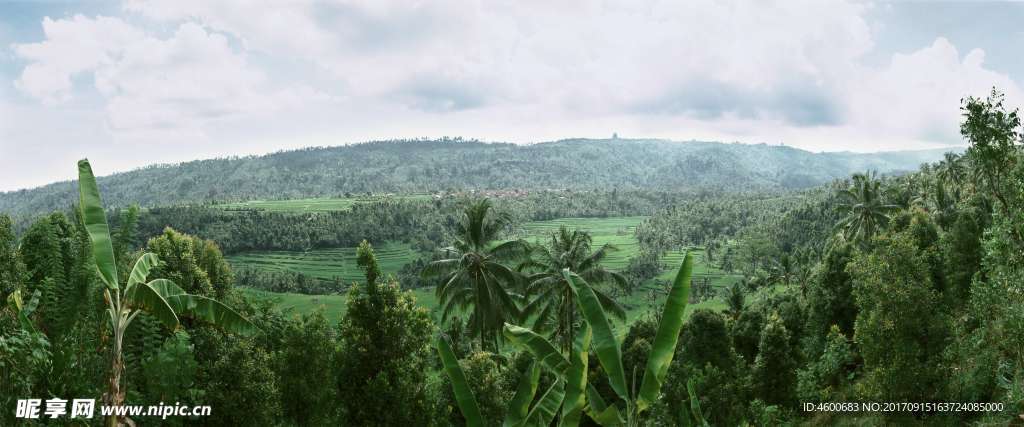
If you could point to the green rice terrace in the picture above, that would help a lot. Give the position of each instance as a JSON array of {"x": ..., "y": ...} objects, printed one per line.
[
  {"x": 340, "y": 263},
  {"x": 325, "y": 264},
  {"x": 616, "y": 231},
  {"x": 332, "y": 305}
]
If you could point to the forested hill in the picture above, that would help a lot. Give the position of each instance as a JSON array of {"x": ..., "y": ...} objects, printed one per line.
[{"x": 455, "y": 164}]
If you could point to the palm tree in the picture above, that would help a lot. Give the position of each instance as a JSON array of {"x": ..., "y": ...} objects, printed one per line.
[
  {"x": 570, "y": 391},
  {"x": 951, "y": 169},
  {"x": 783, "y": 270},
  {"x": 865, "y": 210},
  {"x": 474, "y": 277},
  {"x": 804, "y": 270},
  {"x": 160, "y": 298},
  {"x": 760, "y": 279},
  {"x": 551, "y": 296},
  {"x": 735, "y": 300},
  {"x": 710, "y": 249}
]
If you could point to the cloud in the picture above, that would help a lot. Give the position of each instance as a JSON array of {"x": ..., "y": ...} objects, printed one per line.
[
  {"x": 439, "y": 94},
  {"x": 217, "y": 78},
  {"x": 72, "y": 46},
  {"x": 795, "y": 103},
  {"x": 183, "y": 81},
  {"x": 583, "y": 57},
  {"x": 917, "y": 95}
]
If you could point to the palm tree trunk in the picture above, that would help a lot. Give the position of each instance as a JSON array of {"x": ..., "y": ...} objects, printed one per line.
[
  {"x": 478, "y": 308},
  {"x": 569, "y": 312},
  {"x": 480, "y": 331}
]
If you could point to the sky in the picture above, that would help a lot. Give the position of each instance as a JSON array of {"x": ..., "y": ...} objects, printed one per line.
[{"x": 136, "y": 82}]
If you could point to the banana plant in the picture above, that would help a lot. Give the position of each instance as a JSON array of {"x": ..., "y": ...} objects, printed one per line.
[
  {"x": 160, "y": 298},
  {"x": 579, "y": 396},
  {"x": 23, "y": 310},
  {"x": 571, "y": 370},
  {"x": 519, "y": 413},
  {"x": 609, "y": 354},
  {"x": 696, "y": 416}
]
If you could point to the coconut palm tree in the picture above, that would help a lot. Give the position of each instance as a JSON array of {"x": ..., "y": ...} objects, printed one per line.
[
  {"x": 735, "y": 300},
  {"x": 570, "y": 390},
  {"x": 161, "y": 298},
  {"x": 551, "y": 296},
  {"x": 783, "y": 270},
  {"x": 940, "y": 204},
  {"x": 908, "y": 191},
  {"x": 804, "y": 260},
  {"x": 951, "y": 169},
  {"x": 865, "y": 210},
  {"x": 473, "y": 275}
]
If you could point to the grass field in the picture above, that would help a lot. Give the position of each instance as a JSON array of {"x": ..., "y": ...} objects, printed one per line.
[
  {"x": 617, "y": 231},
  {"x": 637, "y": 305},
  {"x": 333, "y": 305},
  {"x": 340, "y": 262},
  {"x": 325, "y": 204},
  {"x": 326, "y": 264}
]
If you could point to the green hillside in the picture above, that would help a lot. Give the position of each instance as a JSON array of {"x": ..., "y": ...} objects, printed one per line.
[
  {"x": 317, "y": 204},
  {"x": 421, "y": 166}
]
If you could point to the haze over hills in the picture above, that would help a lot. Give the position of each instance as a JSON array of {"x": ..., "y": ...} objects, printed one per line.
[{"x": 405, "y": 166}]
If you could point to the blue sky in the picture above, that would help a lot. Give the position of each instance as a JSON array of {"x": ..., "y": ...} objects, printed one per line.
[{"x": 134, "y": 82}]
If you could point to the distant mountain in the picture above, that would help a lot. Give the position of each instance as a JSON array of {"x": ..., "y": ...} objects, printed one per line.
[{"x": 456, "y": 164}]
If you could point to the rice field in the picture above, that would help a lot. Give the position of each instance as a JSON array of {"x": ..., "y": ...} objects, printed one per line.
[
  {"x": 332, "y": 305},
  {"x": 617, "y": 231},
  {"x": 329, "y": 264},
  {"x": 325, "y": 264}
]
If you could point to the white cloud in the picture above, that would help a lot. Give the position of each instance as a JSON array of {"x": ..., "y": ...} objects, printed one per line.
[
  {"x": 917, "y": 95},
  {"x": 72, "y": 46},
  {"x": 228, "y": 77},
  {"x": 582, "y": 56},
  {"x": 277, "y": 26},
  {"x": 181, "y": 82}
]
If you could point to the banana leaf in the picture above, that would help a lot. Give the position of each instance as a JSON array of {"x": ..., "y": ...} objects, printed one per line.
[
  {"x": 607, "y": 347},
  {"x": 576, "y": 379},
  {"x": 546, "y": 408},
  {"x": 146, "y": 297},
  {"x": 610, "y": 416},
  {"x": 519, "y": 407},
  {"x": 143, "y": 265},
  {"x": 463, "y": 395},
  {"x": 698, "y": 414},
  {"x": 211, "y": 311},
  {"x": 14, "y": 301},
  {"x": 665, "y": 341},
  {"x": 540, "y": 348},
  {"x": 23, "y": 310},
  {"x": 595, "y": 403},
  {"x": 166, "y": 288},
  {"x": 95, "y": 220}
]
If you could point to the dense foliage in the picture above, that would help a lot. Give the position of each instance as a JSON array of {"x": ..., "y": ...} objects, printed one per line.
[
  {"x": 886, "y": 288},
  {"x": 407, "y": 166}
]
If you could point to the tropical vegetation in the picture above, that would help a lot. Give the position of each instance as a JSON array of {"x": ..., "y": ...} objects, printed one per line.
[{"x": 610, "y": 304}]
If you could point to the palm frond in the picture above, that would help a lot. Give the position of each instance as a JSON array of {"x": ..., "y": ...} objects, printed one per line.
[{"x": 437, "y": 268}]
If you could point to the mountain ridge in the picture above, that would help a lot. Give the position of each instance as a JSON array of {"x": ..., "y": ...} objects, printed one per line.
[{"x": 423, "y": 165}]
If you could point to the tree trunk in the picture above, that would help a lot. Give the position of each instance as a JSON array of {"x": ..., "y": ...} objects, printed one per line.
[
  {"x": 114, "y": 396},
  {"x": 570, "y": 306}
]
